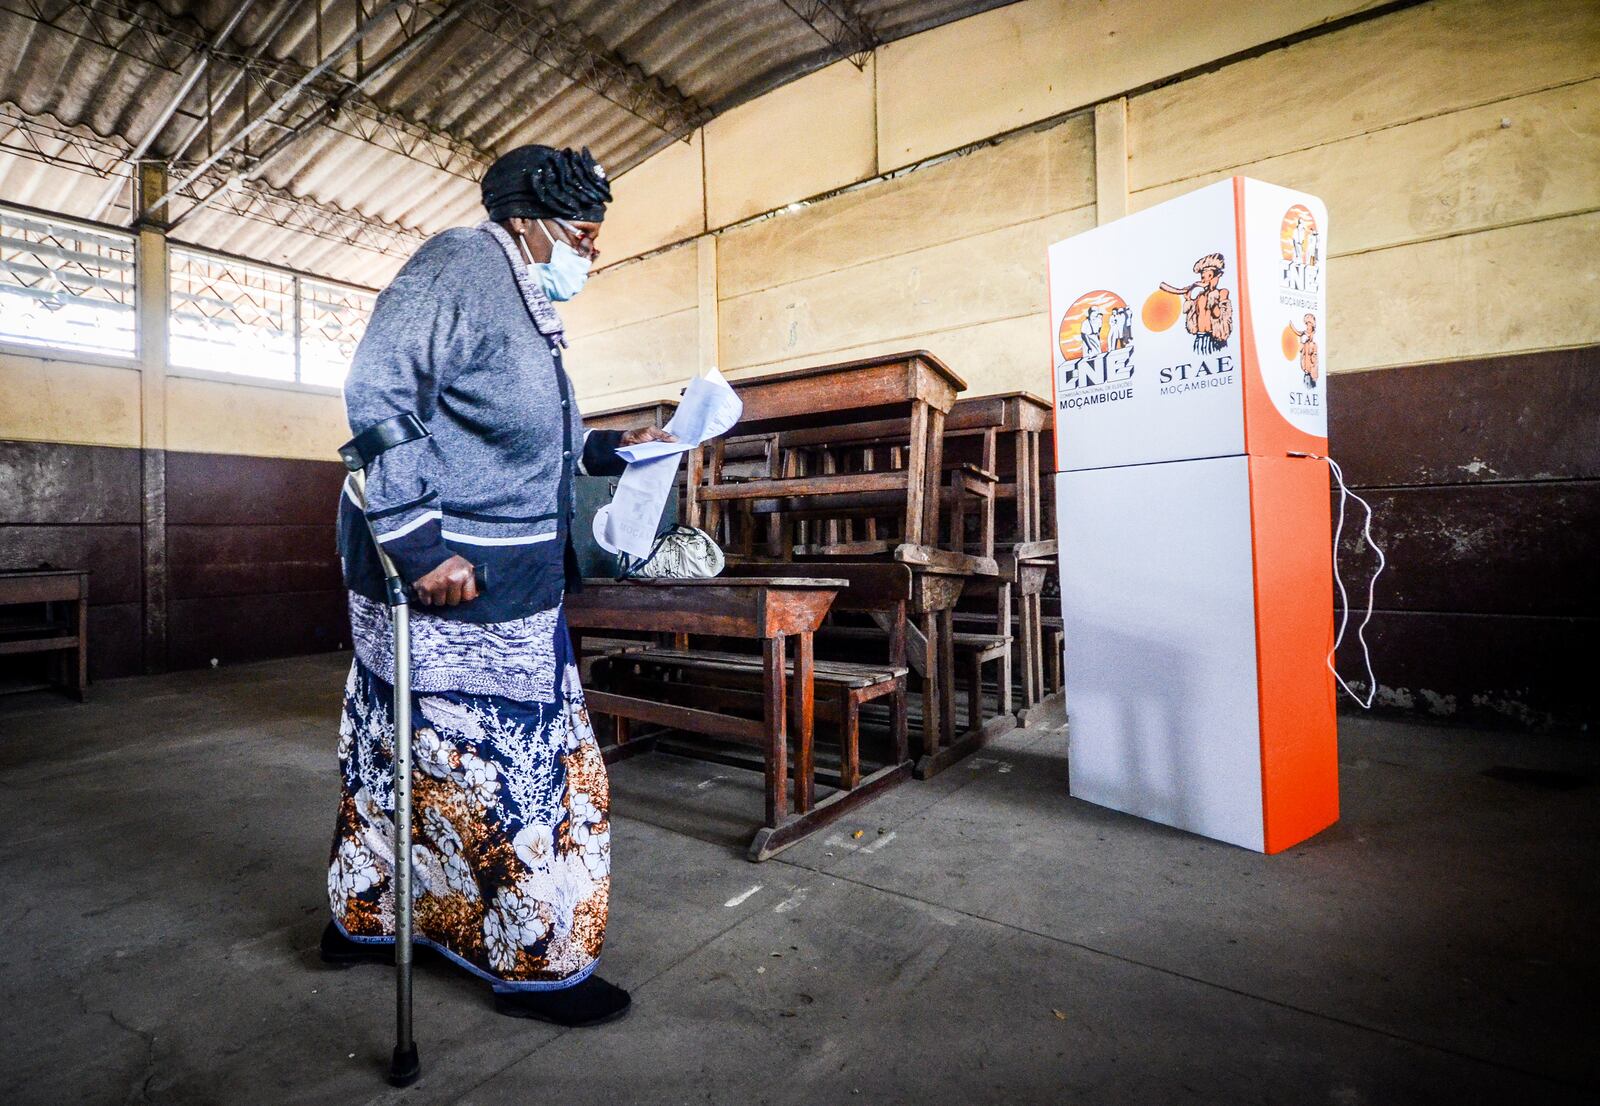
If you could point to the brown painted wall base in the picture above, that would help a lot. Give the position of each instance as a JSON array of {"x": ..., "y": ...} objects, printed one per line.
[
  {"x": 1485, "y": 476},
  {"x": 251, "y": 568}
]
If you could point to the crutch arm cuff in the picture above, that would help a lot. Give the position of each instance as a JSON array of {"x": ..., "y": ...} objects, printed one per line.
[{"x": 379, "y": 438}]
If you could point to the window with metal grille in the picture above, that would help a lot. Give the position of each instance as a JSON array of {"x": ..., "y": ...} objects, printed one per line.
[
  {"x": 333, "y": 317},
  {"x": 237, "y": 317},
  {"x": 66, "y": 285},
  {"x": 230, "y": 316}
]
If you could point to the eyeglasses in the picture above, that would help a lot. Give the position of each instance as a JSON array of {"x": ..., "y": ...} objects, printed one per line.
[{"x": 583, "y": 242}]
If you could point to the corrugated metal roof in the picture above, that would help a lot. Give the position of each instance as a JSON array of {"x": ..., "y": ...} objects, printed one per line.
[{"x": 104, "y": 70}]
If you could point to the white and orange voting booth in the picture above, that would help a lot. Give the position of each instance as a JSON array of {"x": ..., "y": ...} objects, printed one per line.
[{"x": 1196, "y": 581}]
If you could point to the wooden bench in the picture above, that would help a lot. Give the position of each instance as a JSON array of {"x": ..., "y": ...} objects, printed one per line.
[
  {"x": 595, "y": 648},
  {"x": 734, "y": 679},
  {"x": 1055, "y": 639},
  {"x": 973, "y": 651},
  {"x": 54, "y": 631},
  {"x": 769, "y": 610},
  {"x": 881, "y": 590}
]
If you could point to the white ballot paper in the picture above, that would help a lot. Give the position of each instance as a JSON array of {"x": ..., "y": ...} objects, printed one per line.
[{"x": 628, "y": 523}]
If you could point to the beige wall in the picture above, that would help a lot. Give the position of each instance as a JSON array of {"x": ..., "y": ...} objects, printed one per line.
[
  {"x": 56, "y": 399},
  {"x": 81, "y": 402},
  {"x": 1455, "y": 143},
  {"x": 935, "y": 259},
  {"x": 220, "y": 416},
  {"x": 1016, "y": 65}
]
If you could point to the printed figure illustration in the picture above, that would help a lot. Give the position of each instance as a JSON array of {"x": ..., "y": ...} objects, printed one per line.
[
  {"x": 1121, "y": 328},
  {"x": 1096, "y": 341},
  {"x": 1207, "y": 312},
  {"x": 1309, "y": 368},
  {"x": 1302, "y": 250},
  {"x": 1089, "y": 333}
]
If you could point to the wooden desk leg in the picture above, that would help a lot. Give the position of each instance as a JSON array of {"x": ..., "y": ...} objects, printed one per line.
[
  {"x": 867, "y": 464},
  {"x": 1026, "y": 521},
  {"x": 902, "y": 744},
  {"x": 931, "y": 729},
  {"x": 1029, "y": 651},
  {"x": 713, "y": 510},
  {"x": 918, "y": 530},
  {"x": 958, "y": 513},
  {"x": 774, "y": 710},
  {"x": 1036, "y": 619},
  {"x": 897, "y": 657},
  {"x": 947, "y": 674},
  {"x": 830, "y": 528},
  {"x": 850, "y": 740},
  {"x": 1003, "y": 680},
  {"x": 1039, "y": 522},
  {"x": 975, "y": 693},
  {"x": 804, "y": 702},
  {"x": 930, "y": 517},
  {"x": 82, "y": 673}
]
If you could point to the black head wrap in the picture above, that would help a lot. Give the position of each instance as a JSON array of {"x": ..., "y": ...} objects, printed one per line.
[{"x": 541, "y": 182}]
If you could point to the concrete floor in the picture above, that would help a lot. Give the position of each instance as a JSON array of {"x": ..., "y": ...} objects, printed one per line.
[{"x": 986, "y": 939}]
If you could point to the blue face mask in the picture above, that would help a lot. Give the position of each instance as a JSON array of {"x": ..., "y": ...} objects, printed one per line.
[{"x": 564, "y": 275}]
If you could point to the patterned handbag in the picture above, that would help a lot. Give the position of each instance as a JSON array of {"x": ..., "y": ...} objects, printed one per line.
[{"x": 682, "y": 553}]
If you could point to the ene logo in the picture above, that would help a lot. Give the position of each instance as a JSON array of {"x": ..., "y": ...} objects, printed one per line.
[
  {"x": 1301, "y": 242},
  {"x": 1096, "y": 342}
]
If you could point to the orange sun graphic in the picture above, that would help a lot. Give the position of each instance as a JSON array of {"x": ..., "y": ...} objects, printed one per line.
[
  {"x": 1161, "y": 310},
  {"x": 1291, "y": 343},
  {"x": 1293, "y": 218},
  {"x": 1069, "y": 337}
]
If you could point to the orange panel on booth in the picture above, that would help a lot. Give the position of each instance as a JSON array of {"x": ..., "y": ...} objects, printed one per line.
[{"x": 1195, "y": 531}]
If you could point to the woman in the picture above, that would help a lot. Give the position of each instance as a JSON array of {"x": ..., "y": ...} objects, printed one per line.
[{"x": 511, "y": 849}]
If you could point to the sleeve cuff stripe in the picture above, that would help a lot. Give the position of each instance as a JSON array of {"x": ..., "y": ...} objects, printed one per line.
[
  {"x": 400, "y": 532},
  {"x": 402, "y": 508}
]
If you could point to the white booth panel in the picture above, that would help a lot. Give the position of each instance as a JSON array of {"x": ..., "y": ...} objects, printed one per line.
[{"x": 1158, "y": 604}]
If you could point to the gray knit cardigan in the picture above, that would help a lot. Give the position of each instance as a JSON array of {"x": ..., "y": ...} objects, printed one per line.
[{"x": 465, "y": 339}]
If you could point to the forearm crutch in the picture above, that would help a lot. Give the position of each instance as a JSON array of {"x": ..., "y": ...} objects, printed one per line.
[{"x": 358, "y": 453}]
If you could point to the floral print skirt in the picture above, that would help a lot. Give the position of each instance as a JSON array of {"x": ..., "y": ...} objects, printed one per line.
[{"x": 511, "y": 838}]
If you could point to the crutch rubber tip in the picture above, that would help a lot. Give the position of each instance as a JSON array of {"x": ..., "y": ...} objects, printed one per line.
[{"x": 404, "y": 1067}]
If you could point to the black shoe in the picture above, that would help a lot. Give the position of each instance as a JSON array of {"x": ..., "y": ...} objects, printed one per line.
[
  {"x": 341, "y": 952},
  {"x": 592, "y": 1002}
]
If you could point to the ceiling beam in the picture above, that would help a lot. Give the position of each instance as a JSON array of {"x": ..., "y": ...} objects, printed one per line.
[
  {"x": 841, "y": 25},
  {"x": 535, "y": 31},
  {"x": 80, "y": 150},
  {"x": 237, "y": 72},
  {"x": 167, "y": 43},
  {"x": 331, "y": 108},
  {"x": 197, "y": 69},
  {"x": 289, "y": 98}
]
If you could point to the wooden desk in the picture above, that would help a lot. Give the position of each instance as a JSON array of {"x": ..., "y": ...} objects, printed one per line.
[
  {"x": 1018, "y": 419},
  {"x": 54, "y": 633},
  {"x": 930, "y": 652},
  {"x": 916, "y": 386},
  {"x": 768, "y": 610},
  {"x": 1013, "y": 425},
  {"x": 637, "y": 416}
]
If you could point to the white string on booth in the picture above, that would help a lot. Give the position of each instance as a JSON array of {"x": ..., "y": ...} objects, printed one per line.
[{"x": 1345, "y": 494}]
